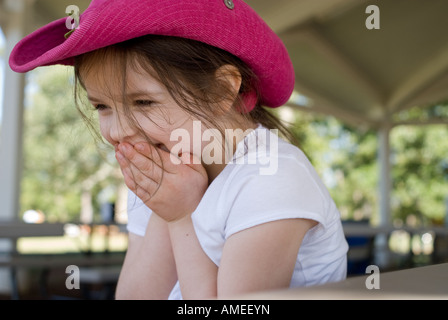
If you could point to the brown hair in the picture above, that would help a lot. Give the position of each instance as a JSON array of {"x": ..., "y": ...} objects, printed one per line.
[{"x": 187, "y": 68}]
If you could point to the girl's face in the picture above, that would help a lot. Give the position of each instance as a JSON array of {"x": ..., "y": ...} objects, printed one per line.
[
  {"x": 142, "y": 108},
  {"x": 149, "y": 104}
]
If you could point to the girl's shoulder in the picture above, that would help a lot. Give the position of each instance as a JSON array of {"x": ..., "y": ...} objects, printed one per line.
[{"x": 264, "y": 153}]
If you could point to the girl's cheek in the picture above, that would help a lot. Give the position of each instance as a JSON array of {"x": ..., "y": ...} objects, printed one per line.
[
  {"x": 105, "y": 130},
  {"x": 158, "y": 132}
]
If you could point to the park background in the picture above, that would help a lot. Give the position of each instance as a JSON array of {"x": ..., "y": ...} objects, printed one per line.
[{"x": 69, "y": 178}]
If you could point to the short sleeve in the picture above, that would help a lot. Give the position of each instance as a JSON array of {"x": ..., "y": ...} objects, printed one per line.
[
  {"x": 138, "y": 215},
  {"x": 294, "y": 191}
]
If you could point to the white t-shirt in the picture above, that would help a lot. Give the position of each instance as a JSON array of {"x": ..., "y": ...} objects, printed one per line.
[{"x": 269, "y": 182}]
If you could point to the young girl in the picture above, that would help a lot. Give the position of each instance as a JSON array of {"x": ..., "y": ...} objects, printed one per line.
[{"x": 219, "y": 205}]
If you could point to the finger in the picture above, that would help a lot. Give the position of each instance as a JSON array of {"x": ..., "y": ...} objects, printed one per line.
[
  {"x": 144, "y": 195},
  {"x": 149, "y": 151},
  {"x": 143, "y": 189},
  {"x": 122, "y": 162},
  {"x": 150, "y": 184},
  {"x": 140, "y": 161},
  {"x": 161, "y": 157},
  {"x": 125, "y": 170},
  {"x": 133, "y": 176}
]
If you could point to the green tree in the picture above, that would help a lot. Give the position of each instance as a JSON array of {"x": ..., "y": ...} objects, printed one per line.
[
  {"x": 420, "y": 172},
  {"x": 62, "y": 164},
  {"x": 346, "y": 159}
]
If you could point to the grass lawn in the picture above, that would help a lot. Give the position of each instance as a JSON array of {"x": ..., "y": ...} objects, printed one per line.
[{"x": 68, "y": 244}]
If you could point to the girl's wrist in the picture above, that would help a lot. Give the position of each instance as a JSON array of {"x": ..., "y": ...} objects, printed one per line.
[{"x": 180, "y": 221}]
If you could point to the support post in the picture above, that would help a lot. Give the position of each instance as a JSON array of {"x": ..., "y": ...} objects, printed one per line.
[
  {"x": 385, "y": 181},
  {"x": 11, "y": 127},
  {"x": 381, "y": 251},
  {"x": 11, "y": 135}
]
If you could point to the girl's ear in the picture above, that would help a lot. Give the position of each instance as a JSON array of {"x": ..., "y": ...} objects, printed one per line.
[{"x": 232, "y": 77}]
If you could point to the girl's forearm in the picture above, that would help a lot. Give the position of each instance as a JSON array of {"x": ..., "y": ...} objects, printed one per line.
[{"x": 197, "y": 274}]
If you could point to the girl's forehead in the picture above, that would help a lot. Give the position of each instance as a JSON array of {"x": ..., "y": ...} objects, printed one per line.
[{"x": 109, "y": 78}]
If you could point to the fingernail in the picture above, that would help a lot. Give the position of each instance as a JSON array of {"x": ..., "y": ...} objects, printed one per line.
[
  {"x": 124, "y": 148},
  {"x": 139, "y": 147},
  {"x": 119, "y": 156}
]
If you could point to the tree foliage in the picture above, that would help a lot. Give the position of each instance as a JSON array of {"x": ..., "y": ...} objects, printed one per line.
[
  {"x": 420, "y": 173},
  {"x": 60, "y": 154},
  {"x": 346, "y": 158}
]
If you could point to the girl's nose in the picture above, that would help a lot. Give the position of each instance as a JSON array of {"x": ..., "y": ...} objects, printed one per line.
[{"x": 122, "y": 128}]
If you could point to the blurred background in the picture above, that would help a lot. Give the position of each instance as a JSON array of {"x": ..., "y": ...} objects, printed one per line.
[{"x": 370, "y": 110}]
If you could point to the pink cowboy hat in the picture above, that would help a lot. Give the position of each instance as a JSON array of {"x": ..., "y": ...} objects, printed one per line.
[{"x": 227, "y": 24}]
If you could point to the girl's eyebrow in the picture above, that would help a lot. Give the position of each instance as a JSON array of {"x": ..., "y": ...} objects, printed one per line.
[
  {"x": 130, "y": 96},
  {"x": 93, "y": 99},
  {"x": 136, "y": 94}
]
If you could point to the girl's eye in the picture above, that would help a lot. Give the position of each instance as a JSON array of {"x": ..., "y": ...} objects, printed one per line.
[
  {"x": 100, "y": 107},
  {"x": 143, "y": 103}
]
